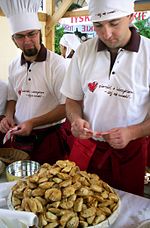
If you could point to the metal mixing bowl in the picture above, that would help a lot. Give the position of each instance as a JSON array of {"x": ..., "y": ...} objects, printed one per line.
[{"x": 21, "y": 169}]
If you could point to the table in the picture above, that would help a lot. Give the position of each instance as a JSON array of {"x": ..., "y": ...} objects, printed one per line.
[{"x": 134, "y": 209}]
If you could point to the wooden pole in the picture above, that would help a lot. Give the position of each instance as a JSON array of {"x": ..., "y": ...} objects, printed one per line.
[
  {"x": 50, "y": 37},
  {"x": 52, "y": 21}
]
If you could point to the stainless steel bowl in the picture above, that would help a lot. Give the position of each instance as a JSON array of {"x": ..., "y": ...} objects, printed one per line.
[{"x": 21, "y": 169}]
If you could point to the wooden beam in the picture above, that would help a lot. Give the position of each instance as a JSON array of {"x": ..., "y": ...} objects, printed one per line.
[
  {"x": 57, "y": 15},
  {"x": 77, "y": 13},
  {"x": 1, "y": 13},
  {"x": 42, "y": 17},
  {"x": 142, "y": 6},
  {"x": 50, "y": 38}
]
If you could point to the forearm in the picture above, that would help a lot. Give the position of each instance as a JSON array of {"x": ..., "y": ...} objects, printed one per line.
[
  {"x": 140, "y": 130},
  {"x": 73, "y": 109},
  {"x": 10, "y": 109},
  {"x": 51, "y": 117}
]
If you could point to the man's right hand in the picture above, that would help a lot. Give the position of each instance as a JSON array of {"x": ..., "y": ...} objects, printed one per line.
[
  {"x": 6, "y": 124},
  {"x": 78, "y": 127}
]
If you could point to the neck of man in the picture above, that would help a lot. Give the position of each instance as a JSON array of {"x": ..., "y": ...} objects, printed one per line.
[
  {"x": 30, "y": 58},
  {"x": 113, "y": 51}
]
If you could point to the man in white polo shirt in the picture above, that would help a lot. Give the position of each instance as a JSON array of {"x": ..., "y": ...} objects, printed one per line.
[
  {"x": 35, "y": 104},
  {"x": 107, "y": 89},
  {"x": 3, "y": 98}
]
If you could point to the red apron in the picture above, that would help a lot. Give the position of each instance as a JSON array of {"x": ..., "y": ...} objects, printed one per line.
[
  {"x": 148, "y": 152},
  {"x": 123, "y": 169},
  {"x": 82, "y": 152},
  {"x": 43, "y": 145},
  {"x": 68, "y": 138}
]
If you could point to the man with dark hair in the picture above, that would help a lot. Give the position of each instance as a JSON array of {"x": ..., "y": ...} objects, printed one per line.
[
  {"x": 107, "y": 89},
  {"x": 3, "y": 98},
  {"x": 35, "y": 106}
]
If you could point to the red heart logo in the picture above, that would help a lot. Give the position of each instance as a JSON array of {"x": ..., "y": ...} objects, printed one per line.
[
  {"x": 92, "y": 86},
  {"x": 19, "y": 91}
]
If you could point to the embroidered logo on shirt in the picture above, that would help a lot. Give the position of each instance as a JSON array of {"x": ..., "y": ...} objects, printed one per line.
[
  {"x": 92, "y": 86},
  {"x": 110, "y": 90}
]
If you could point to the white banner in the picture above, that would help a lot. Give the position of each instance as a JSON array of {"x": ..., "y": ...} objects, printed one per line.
[{"x": 84, "y": 25}]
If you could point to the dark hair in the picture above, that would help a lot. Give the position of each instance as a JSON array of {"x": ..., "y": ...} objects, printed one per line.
[
  {"x": 71, "y": 54},
  {"x": 82, "y": 36},
  {"x": 40, "y": 37}
]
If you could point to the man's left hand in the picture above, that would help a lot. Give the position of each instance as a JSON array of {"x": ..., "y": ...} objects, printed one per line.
[{"x": 118, "y": 138}]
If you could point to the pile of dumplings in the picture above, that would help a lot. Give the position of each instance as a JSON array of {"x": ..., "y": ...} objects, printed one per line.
[{"x": 63, "y": 196}]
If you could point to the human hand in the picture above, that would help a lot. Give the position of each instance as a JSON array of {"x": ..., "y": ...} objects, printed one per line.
[
  {"x": 24, "y": 128},
  {"x": 118, "y": 138},
  {"x": 81, "y": 129},
  {"x": 95, "y": 134},
  {"x": 6, "y": 124}
]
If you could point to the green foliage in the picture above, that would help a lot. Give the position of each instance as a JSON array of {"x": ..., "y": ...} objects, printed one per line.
[
  {"x": 59, "y": 31},
  {"x": 143, "y": 27},
  {"x": 74, "y": 6}
]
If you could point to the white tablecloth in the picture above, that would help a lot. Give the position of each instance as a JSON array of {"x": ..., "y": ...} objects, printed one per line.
[{"x": 134, "y": 209}]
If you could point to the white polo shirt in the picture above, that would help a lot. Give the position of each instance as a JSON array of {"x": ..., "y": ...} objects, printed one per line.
[
  {"x": 3, "y": 96},
  {"x": 111, "y": 99},
  {"x": 36, "y": 89}
]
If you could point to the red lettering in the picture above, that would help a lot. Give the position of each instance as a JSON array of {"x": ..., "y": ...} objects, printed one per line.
[
  {"x": 71, "y": 19},
  {"x": 81, "y": 19},
  {"x": 134, "y": 15},
  {"x": 83, "y": 28},
  {"x": 91, "y": 28},
  {"x": 87, "y": 28},
  {"x": 74, "y": 19},
  {"x": 143, "y": 15},
  {"x": 140, "y": 15},
  {"x": 87, "y": 18}
]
